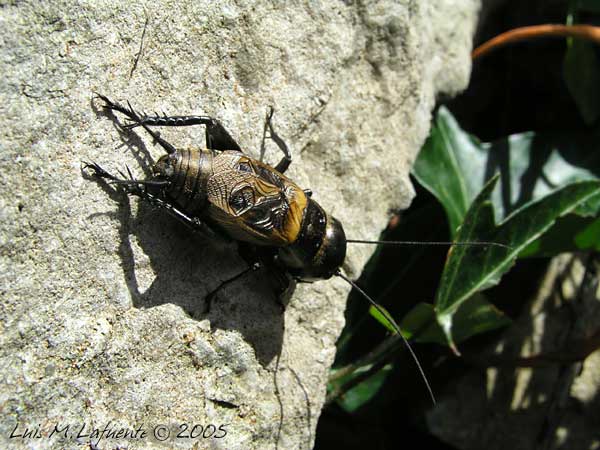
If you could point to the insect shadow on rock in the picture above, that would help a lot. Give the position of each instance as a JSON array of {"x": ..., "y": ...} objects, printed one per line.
[
  {"x": 225, "y": 194},
  {"x": 178, "y": 267}
]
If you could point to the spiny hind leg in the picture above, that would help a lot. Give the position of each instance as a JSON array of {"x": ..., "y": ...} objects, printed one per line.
[
  {"x": 285, "y": 162},
  {"x": 136, "y": 120},
  {"x": 217, "y": 137},
  {"x": 137, "y": 188},
  {"x": 130, "y": 185}
]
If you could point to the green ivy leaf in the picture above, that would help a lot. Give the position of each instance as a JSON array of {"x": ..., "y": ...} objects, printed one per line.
[
  {"x": 469, "y": 270},
  {"x": 364, "y": 391},
  {"x": 454, "y": 167},
  {"x": 475, "y": 316},
  {"x": 385, "y": 321}
]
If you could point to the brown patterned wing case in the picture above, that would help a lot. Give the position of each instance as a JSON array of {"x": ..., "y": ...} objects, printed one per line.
[{"x": 252, "y": 202}]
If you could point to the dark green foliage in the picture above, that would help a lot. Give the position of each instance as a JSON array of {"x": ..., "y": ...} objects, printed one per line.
[{"x": 543, "y": 184}]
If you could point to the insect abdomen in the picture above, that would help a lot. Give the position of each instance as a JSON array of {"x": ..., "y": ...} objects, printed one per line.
[{"x": 189, "y": 172}]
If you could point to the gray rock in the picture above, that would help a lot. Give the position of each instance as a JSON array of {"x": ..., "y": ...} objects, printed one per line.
[{"x": 102, "y": 321}]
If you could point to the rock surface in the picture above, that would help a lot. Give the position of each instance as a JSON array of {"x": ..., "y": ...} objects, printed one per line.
[{"x": 103, "y": 320}]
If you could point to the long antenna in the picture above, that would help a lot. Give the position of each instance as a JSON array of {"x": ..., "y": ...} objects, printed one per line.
[
  {"x": 385, "y": 314},
  {"x": 449, "y": 243}
]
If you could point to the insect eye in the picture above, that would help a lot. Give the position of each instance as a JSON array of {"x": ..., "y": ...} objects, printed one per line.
[
  {"x": 242, "y": 200},
  {"x": 245, "y": 167}
]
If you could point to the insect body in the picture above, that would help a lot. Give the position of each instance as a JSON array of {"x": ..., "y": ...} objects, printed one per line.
[
  {"x": 252, "y": 202},
  {"x": 239, "y": 197}
]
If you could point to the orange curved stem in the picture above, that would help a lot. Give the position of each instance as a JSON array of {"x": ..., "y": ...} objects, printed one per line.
[{"x": 587, "y": 32}]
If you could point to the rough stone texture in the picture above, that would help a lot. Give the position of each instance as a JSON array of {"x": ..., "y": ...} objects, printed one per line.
[
  {"x": 553, "y": 405},
  {"x": 102, "y": 298}
]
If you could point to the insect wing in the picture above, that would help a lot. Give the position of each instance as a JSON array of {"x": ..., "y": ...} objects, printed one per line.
[{"x": 255, "y": 203}]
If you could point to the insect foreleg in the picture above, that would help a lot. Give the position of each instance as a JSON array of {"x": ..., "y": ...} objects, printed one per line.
[{"x": 285, "y": 162}]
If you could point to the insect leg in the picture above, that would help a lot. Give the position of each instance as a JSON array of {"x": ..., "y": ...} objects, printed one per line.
[
  {"x": 111, "y": 106},
  {"x": 285, "y": 162},
  {"x": 279, "y": 280},
  {"x": 217, "y": 137},
  {"x": 170, "y": 149},
  {"x": 136, "y": 120},
  {"x": 211, "y": 295},
  {"x": 136, "y": 187},
  {"x": 97, "y": 170},
  {"x": 283, "y": 285}
]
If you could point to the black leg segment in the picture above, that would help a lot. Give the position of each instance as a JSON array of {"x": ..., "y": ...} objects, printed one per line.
[
  {"x": 211, "y": 295},
  {"x": 285, "y": 162},
  {"x": 217, "y": 137},
  {"x": 137, "y": 187},
  {"x": 136, "y": 119}
]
